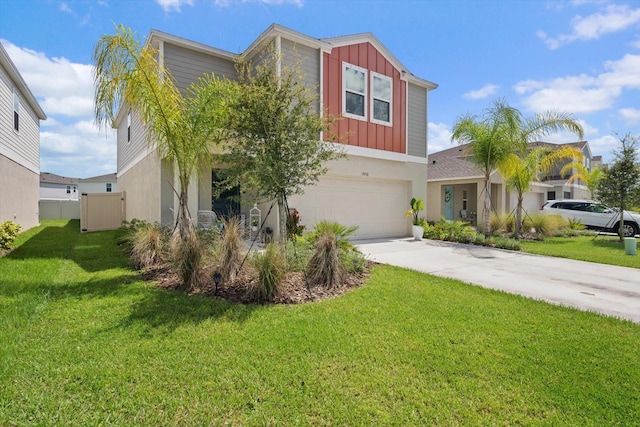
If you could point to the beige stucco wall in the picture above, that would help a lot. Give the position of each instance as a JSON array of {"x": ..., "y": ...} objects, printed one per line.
[
  {"x": 19, "y": 194},
  {"x": 142, "y": 186}
]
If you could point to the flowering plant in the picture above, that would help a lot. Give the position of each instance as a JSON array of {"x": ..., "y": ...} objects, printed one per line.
[{"x": 294, "y": 228}]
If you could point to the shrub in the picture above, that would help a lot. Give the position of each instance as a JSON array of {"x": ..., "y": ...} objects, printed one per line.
[
  {"x": 271, "y": 267},
  {"x": 502, "y": 223},
  {"x": 544, "y": 225},
  {"x": 298, "y": 251},
  {"x": 324, "y": 267},
  {"x": 147, "y": 244},
  {"x": 506, "y": 243},
  {"x": 294, "y": 228},
  {"x": 8, "y": 232},
  {"x": 575, "y": 224},
  {"x": 230, "y": 251},
  {"x": 339, "y": 231},
  {"x": 186, "y": 255},
  {"x": 452, "y": 231}
]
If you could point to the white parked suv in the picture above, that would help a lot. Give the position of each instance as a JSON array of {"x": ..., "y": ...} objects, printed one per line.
[{"x": 594, "y": 215}]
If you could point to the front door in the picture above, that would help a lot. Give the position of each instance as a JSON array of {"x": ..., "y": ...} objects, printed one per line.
[
  {"x": 448, "y": 202},
  {"x": 225, "y": 202}
]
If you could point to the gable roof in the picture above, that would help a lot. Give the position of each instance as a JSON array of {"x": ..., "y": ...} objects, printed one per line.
[
  {"x": 110, "y": 177},
  {"x": 25, "y": 92},
  {"x": 57, "y": 179},
  {"x": 452, "y": 164}
]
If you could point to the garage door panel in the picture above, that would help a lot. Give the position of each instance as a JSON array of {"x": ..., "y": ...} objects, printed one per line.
[{"x": 376, "y": 207}]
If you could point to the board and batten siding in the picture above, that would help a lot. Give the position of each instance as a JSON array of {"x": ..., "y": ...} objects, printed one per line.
[
  {"x": 365, "y": 133},
  {"x": 23, "y": 147},
  {"x": 417, "y": 121},
  {"x": 307, "y": 59},
  {"x": 187, "y": 66}
]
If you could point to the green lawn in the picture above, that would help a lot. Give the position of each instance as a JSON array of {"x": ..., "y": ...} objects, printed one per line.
[
  {"x": 84, "y": 342},
  {"x": 603, "y": 249}
]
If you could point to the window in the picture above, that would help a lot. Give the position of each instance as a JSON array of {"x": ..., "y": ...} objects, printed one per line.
[
  {"x": 108, "y": 187},
  {"x": 129, "y": 126},
  {"x": 68, "y": 189},
  {"x": 16, "y": 111},
  {"x": 464, "y": 199},
  {"x": 551, "y": 195},
  {"x": 381, "y": 90},
  {"x": 354, "y": 86},
  {"x": 567, "y": 195}
]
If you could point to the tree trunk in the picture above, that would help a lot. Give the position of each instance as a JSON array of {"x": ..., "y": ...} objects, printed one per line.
[
  {"x": 486, "y": 210},
  {"x": 518, "y": 229},
  {"x": 185, "y": 218},
  {"x": 621, "y": 226},
  {"x": 282, "y": 220}
]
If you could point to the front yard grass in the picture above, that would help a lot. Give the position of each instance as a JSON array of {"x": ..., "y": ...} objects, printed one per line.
[
  {"x": 83, "y": 341},
  {"x": 604, "y": 249}
]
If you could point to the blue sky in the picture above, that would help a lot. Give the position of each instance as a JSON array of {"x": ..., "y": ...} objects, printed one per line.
[{"x": 579, "y": 56}]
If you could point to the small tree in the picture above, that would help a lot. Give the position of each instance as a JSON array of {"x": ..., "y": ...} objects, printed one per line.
[
  {"x": 620, "y": 185},
  {"x": 276, "y": 147}
]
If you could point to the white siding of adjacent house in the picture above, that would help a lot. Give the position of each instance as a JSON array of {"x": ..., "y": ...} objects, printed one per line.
[
  {"x": 52, "y": 191},
  {"x": 417, "y": 121},
  {"x": 97, "y": 187},
  {"x": 22, "y": 147}
]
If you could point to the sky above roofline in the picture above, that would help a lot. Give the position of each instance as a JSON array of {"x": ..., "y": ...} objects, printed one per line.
[{"x": 580, "y": 56}]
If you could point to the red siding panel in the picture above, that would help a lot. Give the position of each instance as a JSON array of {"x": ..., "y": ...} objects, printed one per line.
[{"x": 359, "y": 132}]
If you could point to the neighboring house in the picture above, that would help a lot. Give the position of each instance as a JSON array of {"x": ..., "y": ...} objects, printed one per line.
[
  {"x": 455, "y": 186},
  {"x": 99, "y": 184},
  {"x": 20, "y": 117},
  {"x": 386, "y": 163},
  {"x": 56, "y": 187}
]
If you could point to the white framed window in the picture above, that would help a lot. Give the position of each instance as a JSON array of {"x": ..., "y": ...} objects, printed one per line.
[
  {"x": 68, "y": 189},
  {"x": 108, "y": 187},
  {"x": 129, "y": 126},
  {"x": 465, "y": 199},
  {"x": 381, "y": 95},
  {"x": 16, "y": 111},
  {"x": 354, "y": 91}
]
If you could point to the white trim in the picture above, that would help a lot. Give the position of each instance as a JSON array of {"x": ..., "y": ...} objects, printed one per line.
[
  {"x": 346, "y": 65},
  {"x": 321, "y": 87},
  {"x": 406, "y": 121},
  {"x": 279, "y": 59},
  {"x": 372, "y": 98},
  {"x": 372, "y": 153}
]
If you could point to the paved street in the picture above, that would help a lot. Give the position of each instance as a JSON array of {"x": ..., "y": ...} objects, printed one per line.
[{"x": 605, "y": 289}]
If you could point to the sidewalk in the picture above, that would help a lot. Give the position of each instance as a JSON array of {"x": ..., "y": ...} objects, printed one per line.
[{"x": 605, "y": 289}]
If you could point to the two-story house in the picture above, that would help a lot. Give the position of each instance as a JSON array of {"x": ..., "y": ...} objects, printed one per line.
[
  {"x": 385, "y": 117},
  {"x": 20, "y": 116}
]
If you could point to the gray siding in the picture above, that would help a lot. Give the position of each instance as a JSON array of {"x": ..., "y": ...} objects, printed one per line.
[
  {"x": 187, "y": 66},
  {"x": 307, "y": 59},
  {"x": 22, "y": 147},
  {"x": 417, "y": 121},
  {"x": 130, "y": 151}
]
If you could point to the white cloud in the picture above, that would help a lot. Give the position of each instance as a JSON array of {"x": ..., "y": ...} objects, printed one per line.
[
  {"x": 225, "y": 3},
  {"x": 173, "y": 5},
  {"x": 72, "y": 92},
  {"x": 630, "y": 115},
  {"x": 612, "y": 18},
  {"x": 582, "y": 93},
  {"x": 484, "y": 92},
  {"x": 70, "y": 143},
  {"x": 439, "y": 136},
  {"x": 604, "y": 145}
]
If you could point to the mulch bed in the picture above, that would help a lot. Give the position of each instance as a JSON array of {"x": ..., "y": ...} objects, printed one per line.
[{"x": 294, "y": 289}]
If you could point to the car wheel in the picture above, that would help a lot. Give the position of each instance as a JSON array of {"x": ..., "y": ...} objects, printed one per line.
[{"x": 629, "y": 229}]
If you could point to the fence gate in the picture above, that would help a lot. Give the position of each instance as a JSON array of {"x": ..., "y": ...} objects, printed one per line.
[{"x": 102, "y": 211}]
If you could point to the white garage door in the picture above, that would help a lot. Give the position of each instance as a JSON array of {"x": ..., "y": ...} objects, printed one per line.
[{"x": 376, "y": 207}]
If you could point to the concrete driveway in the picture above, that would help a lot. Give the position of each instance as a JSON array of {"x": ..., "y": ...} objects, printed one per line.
[{"x": 610, "y": 290}]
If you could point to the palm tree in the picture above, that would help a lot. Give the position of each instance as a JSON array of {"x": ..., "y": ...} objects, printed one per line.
[
  {"x": 181, "y": 128},
  {"x": 578, "y": 171},
  {"x": 519, "y": 171},
  {"x": 490, "y": 144},
  {"x": 504, "y": 132}
]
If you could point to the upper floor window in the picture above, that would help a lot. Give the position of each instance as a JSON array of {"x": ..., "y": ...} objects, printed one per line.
[
  {"x": 129, "y": 126},
  {"x": 68, "y": 189},
  {"x": 381, "y": 90},
  {"x": 108, "y": 187},
  {"x": 16, "y": 111},
  {"x": 354, "y": 86}
]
